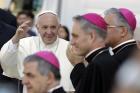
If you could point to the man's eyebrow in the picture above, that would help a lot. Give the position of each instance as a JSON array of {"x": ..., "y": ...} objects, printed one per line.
[{"x": 74, "y": 35}]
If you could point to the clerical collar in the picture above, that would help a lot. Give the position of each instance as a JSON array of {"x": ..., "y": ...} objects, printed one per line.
[
  {"x": 94, "y": 53},
  {"x": 54, "y": 88},
  {"x": 51, "y": 47},
  {"x": 123, "y": 45},
  {"x": 131, "y": 40}
]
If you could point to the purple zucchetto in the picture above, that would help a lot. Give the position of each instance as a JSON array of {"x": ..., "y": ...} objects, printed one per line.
[
  {"x": 49, "y": 57},
  {"x": 95, "y": 19},
  {"x": 129, "y": 17}
]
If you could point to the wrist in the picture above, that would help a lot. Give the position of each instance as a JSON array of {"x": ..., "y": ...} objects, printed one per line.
[{"x": 15, "y": 40}]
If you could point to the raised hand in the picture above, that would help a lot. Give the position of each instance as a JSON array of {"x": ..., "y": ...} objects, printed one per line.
[
  {"x": 21, "y": 32},
  {"x": 74, "y": 58}
]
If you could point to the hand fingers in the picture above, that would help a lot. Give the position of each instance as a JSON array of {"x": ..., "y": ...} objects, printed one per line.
[
  {"x": 25, "y": 26},
  {"x": 20, "y": 30},
  {"x": 27, "y": 22}
]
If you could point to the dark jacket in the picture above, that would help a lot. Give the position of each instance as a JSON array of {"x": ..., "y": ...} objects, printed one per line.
[
  {"x": 98, "y": 76},
  {"x": 8, "y": 18},
  {"x": 124, "y": 51},
  {"x": 6, "y": 33},
  {"x": 59, "y": 90},
  {"x": 10, "y": 85}
]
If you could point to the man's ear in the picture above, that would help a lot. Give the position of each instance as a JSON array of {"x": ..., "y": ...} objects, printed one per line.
[
  {"x": 93, "y": 35},
  {"x": 59, "y": 26},
  {"x": 123, "y": 31},
  {"x": 37, "y": 26},
  {"x": 50, "y": 77}
]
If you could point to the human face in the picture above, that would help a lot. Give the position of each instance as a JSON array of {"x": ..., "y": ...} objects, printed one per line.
[
  {"x": 80, "y": 41},
  {"x": 33, "y": 80},
  {"x": 23, "y": 18},
  {"x": 113, "y": 31},
  {"x": 62, "y": 33},
  {"x": 48, "y": 26}
]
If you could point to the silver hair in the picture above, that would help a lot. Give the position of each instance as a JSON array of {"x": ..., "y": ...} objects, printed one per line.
[
  {"x": 120, "y": 20},
  {"x": 43, "y": 66},
  {"x": 88, "y": 27}
]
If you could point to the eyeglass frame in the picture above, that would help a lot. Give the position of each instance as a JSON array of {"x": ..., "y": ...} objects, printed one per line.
[{"x": 113, "y": 26}]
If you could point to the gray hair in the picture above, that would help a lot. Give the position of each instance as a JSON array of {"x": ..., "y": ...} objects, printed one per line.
[
  {"x": 43, "y": 66},
  {"x": 120, "y": 20},
  {"x": 88, "y": 27}
]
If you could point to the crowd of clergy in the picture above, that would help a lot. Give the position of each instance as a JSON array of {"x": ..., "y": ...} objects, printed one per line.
[{"x": 101, "y": 56}]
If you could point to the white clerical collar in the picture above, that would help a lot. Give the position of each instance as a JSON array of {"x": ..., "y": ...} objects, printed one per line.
[
  {"x": 52, "y": 47},
  {"x": 131, "y": 40},
  {"x": 93, "y": 51},
  {"x": 54, "y": 88}
]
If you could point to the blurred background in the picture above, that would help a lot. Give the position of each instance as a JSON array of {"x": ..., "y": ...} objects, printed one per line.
[{"x": 66, "y": 9}]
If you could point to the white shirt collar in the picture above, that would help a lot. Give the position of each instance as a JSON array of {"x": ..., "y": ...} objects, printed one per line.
[
  {"x": 131, "y": 40},
  {"x": 51, "y": 47},
  {"x": 92, "y": 51},
  {"x": 54, "y": 88}
]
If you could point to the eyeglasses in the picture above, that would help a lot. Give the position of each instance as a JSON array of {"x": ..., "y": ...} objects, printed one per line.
[{"x": 112, "y": 26}]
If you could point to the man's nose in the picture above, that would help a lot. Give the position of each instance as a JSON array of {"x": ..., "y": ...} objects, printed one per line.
[
  {"x": 72, "y": 41},
  {"x": 24, "y": 80},
  {"x": 49, "y": 31}
]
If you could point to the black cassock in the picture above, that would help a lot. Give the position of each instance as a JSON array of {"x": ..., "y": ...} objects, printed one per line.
[
  {"x": 126, "y": 50},
  {"x": 98, "y": 76},
  {"x": 10, "y": 85},
  {"x": 59, "y": 90}
]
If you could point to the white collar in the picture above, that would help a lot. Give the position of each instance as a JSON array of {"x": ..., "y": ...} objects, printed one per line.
[
  {"x": 131, "y": 40},
  {"x": 92, "y": 51},
  {"x": 52, "y": 47},
  {"x": 54, "y": 88}
]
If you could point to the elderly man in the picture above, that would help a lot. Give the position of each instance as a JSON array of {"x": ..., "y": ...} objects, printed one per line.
[
  {"x": 121, "y": 27},
  {"x": 88, "y": 34},
  {"x": 41, "y": 73},
  {"x": 15, "y": 50}
]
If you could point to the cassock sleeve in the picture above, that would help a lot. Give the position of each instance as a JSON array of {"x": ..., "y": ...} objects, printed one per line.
[
  {"x": 12, "y": 56},
  {"x": 8, "y": 57},
  {"x": 77, "y": 73}
]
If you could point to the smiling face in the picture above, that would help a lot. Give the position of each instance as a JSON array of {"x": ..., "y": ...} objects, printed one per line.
[
  {"x": 48, "y": 26},
  {"x": 33, "y": 80},
  {"x": 81, "y": 40}
]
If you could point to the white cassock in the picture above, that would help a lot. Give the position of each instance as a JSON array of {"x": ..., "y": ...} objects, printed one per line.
[{"x": 12, "y": 56}]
